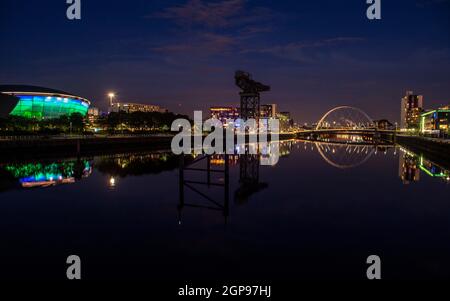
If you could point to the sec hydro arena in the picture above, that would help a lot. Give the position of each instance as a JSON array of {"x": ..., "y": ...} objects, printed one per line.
[{"x": 39, "y": 103}]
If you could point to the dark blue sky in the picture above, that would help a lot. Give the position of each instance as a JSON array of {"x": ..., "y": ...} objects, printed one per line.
[{"x": 183, "y": 54}]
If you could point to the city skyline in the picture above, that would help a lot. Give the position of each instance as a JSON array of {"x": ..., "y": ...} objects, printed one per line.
[
  {"x": 224, "y": 147},
  {"x": 182, "y": 54}
]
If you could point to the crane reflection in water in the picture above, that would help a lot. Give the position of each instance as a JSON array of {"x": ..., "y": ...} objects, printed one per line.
[{"x": 350, "y": 154}]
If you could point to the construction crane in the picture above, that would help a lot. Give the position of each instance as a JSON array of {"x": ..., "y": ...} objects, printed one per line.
[
  {"x": 250, "y": 108},
  {"x": 250, "y": 95}
]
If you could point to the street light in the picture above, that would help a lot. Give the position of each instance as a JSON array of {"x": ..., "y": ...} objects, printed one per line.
[
  {"x": 112, "y": 182},
  {"x": 111, "y": 98}
]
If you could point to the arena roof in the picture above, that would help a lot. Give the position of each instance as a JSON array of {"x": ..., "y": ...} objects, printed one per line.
[{"x": 27, "y": 89}]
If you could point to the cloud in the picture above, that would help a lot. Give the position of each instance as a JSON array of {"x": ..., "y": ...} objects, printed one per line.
[
  {"x": 302, "y": 45},
  {"x": 303, "y": 51},
  {"x": 202, "y": 43},
  {"x": 209, "y": 14},
  {"x": 431, "y": 56},
  {"x": 215, "y": 14},
  {"x": 213, "y": 27}
]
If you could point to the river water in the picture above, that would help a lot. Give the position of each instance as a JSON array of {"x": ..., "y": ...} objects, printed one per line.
[{"x": 318, "y": 213}]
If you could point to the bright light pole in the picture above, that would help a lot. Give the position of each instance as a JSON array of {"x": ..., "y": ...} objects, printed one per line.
[
  {"x": 111, "y": 98},
  {"x": 112, "y": 182}
]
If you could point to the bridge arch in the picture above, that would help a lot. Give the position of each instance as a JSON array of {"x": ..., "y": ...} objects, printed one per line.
[
  {"x": 347, "y": 110},
  {"x": 345, "y": 156}
]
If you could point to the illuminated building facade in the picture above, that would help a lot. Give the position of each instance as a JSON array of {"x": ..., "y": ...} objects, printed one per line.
[
  {"x": 411, "y": 108},
  {"x": 268, "y": 111},
  {"x": 93, "y": 114},
  {"x": 286, "y": 122},
  {"x": 130, "y": 107},
  {"x": 43, "y": 103},
  {"x": 384, "y": 124},
  {"x": 219, "y": 160},
  {"x": 224, "y": 114},
  {"x": 436, "y": 121}
]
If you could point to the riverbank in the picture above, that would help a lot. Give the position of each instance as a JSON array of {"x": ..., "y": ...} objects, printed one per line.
[{"x": 437, "y": 150}]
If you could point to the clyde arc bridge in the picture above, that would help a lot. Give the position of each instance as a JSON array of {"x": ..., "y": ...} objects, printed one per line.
[
  {"x": 345, "y": 120},
  {"x": 345, "y": 117}
]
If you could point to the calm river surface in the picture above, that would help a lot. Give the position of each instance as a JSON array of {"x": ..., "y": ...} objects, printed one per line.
[{"x": 313, "y": 215}]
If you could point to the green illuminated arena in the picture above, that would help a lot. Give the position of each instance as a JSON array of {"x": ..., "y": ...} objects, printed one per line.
[{"x": 42, "y": 103}]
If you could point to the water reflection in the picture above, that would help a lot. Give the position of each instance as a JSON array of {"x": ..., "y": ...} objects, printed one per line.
[
  {"x": 249, "y": 182},
  {"x": 411, "y": 165},
  {"x": 408, "y": 168},
  {"x": 23, "y": 175},
  {"x": 344, "y": 138},
  {"x": 345, "y": 156},
  {"x": 202, "y": 175},
  {"x": 44, "y": 174},
  {"x": 200, "y": 172},
  {"x": 304, "y": 211},
  {"x": 135, "y": 164}
]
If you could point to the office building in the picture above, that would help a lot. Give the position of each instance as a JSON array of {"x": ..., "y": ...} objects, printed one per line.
[
  {"x": 224, "y": 114},
  {"x": 436, "y": 121},
  {"x": 286, "y": 122},
  {"x": 130, "y": 107},
  {"x": 411, "y": 108},
  {"x": 268, "y": 111}
]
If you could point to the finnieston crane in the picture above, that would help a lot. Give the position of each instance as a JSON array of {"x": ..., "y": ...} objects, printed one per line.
[
  {"x": 250, "y": 108},
  {"x": 250, "y": 94}
]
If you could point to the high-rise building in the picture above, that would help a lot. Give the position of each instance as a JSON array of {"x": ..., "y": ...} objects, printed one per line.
[{"x": 411, "y": 108}]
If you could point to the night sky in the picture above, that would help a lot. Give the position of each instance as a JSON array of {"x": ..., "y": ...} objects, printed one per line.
[{"x": 183, "y": 54}]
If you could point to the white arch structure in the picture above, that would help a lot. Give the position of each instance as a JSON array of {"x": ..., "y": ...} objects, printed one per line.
[
  {"x": 319, "y": 124},
  {"x": 359, "y": 160}
]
